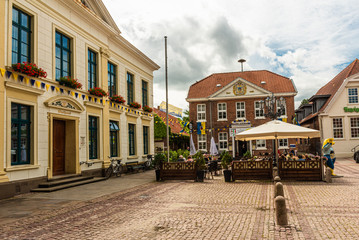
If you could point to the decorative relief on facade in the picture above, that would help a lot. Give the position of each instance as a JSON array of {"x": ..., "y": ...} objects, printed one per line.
[
  {"x": 105, "y": 52},
  {"x": 239, "y": 89},
  {"x": 64, "y": 103}
]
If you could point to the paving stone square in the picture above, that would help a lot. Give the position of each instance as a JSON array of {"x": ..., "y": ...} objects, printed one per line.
[{"x": 213, "y": 209}]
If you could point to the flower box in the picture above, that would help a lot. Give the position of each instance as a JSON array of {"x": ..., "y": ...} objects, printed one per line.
[
  {"x": 29, "y": 69},
  {"x": 70, "y": 82},
  {"x": 117, "y": 99},
  {"x": 99, "y": 92},
  {"x": 147, "y": 109},
  {"x": 135, "y": 105}
]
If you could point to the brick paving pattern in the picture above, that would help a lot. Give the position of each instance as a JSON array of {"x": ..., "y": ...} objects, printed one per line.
[{"x": 210, "y": 210}]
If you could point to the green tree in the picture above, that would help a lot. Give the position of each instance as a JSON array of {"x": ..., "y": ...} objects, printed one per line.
[
  {"x": 160, "y": 128},
  {"x": 304, "y": 101}
]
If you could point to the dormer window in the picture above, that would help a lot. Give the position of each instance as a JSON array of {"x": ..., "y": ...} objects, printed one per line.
[{"x": 353, "y": 95}]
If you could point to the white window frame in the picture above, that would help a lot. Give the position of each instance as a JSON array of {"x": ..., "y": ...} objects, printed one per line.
[
  {"x": 353, "y": 96},
  {"x": 259, "y": 109},
  {"x": 340, "y": 128},
  {"x": 351, "y": 127},
  {"x": 260, "y": 145},
  {"x": 222, "y": 111},
  {"x": 285, "y": 108},
  {"x": 283, "y": 143},
  {"x": 201, "y": 112},
  {"x": 241, "y": 110},
  {"x": 222, "y": 140},
  {"x": 202, "y": 143}
]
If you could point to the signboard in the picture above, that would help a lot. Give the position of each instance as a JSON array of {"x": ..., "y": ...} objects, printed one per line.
[{"x": 234, "y": 131}]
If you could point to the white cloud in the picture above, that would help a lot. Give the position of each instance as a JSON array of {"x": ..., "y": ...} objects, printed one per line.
[{"x": 308, "y": 41}]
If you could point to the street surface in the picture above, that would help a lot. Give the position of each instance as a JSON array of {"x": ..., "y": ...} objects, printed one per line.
[{"x": 136, "y": 207}]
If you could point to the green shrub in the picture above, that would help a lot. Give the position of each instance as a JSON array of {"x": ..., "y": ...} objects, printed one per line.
[
  {"x": 226, "y": 159},
  {"x": 247, "y": 154},
  {"x": 199, "y": 161},
  {"x": 158, "y": 159}
]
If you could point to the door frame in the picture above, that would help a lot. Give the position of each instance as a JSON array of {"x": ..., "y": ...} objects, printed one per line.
[{"x": 72, "y": 164}]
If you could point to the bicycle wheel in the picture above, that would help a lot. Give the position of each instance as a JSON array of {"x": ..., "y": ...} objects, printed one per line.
[
  {"x": 109, "y": 172},
  {"x": 119, "y": 171}
]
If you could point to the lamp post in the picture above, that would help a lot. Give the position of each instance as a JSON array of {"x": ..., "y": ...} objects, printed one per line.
[{"x": 270, "y": 104}]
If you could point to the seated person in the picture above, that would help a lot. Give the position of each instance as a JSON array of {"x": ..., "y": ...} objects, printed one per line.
[
  {"x": 181, "y": 159},
  {"x": 300, "y": 158}
]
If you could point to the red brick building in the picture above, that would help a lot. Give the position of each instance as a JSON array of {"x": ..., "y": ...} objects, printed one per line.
[{"x": 227, "y": 101}]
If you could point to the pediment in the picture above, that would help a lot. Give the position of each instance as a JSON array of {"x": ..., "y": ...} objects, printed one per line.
[
  {"x": 100, "y": 10},
  {"x": 240, "y": 88},
  {"x": 64, "y": 103}
]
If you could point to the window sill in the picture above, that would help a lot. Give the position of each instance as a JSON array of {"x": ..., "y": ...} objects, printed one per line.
[
  {"x": 259, "y": 118},
  {"x": 283, "y": 148},
  {"x": 144, "y": 117},
  {"x": 24, "y": 88},
  {"x": 96, "y": 105},
  {"x": 261, "y": 148},
  {"x": 21, "y": 168},
  {"x": 201, "y": 120},
  {"x": 222, "y": 120},
  {"x": 132, "y": 114},
  {"x": 132, "y": 157}
]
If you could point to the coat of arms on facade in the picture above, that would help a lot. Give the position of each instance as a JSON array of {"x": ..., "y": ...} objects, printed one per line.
[{"x": 239, "y": 89}]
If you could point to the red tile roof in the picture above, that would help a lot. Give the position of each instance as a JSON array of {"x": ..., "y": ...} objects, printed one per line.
[
  {"x": 173, "y": 122},
  {"x": 274, "y": 83}
]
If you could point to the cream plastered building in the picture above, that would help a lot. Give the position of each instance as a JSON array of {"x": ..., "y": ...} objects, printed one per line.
[
  {"x": 340, "y": 118},
  {"x": 47, "y": 129}
]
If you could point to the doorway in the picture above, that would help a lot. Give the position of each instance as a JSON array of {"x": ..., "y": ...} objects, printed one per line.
[
  {"x": 59, "y": 147},
  {"x": 241, "y": 148}
]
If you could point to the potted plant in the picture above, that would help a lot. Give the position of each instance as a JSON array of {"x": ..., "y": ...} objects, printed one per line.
[
  {"x": 226, "y": 160},
  {"x": 99, "y": 92},
  {"x": 200, "y": 165},
  {"x": 157, "y": 163},
  {"x": 29, "y": 69},
  {"x": 70, "y": 82},
  {"x": 247, "y": 155},
  {"x": 147, "y": 109},
  {"x": 117, "y": 99},
  {"x": 135, "y": 105}
]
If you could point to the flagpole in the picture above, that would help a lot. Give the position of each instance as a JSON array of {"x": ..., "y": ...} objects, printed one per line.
[{"x": 167, "y": 135}]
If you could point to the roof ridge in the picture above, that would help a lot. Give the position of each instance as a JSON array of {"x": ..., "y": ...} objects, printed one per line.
[{"x": 351, "y": 69}]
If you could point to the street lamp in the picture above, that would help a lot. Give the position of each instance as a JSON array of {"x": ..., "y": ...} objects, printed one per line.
[{"x": 270, "y": 104}]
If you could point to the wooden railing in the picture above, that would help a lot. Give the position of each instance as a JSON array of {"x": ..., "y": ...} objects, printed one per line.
[
  {"x": 252, "y": 170},
  {"x": 310, "y": 170},
  {"x": 178, "y": 171}
]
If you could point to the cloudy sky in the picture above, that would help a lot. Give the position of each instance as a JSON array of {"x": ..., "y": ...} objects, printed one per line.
[{"x": 308, "y": 41}]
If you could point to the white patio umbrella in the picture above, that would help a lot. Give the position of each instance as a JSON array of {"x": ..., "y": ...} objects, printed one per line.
[
  {"x": 213, "y": 149},
  {"x": 277, "y": 130},
  {"x": 192, "y": 148}
]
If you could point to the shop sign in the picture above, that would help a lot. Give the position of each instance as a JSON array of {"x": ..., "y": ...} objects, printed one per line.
[{"x": 354, "y": 109}]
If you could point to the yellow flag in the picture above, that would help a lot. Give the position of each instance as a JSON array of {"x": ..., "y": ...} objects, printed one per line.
[
  {"x": 203, "y": 129},
  {"x": 38, "y": 83},
  {"x": 72, "y": 93},
  {"x": 15, "y": 75},
  {"x": 27, "y": 80},
  {"x": 47, "y": 87},
  {"x": 2, "y": 71},
  {"x": 57, "y": 89}
]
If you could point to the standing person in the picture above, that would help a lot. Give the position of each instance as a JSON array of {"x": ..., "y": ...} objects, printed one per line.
[{"x": 329, "y": 153}]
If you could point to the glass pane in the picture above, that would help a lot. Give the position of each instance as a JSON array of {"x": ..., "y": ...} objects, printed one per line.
[
  {"x": 15, "y": 15},
  {"x": 14, "y": 142},
  {"x": 65, "y": 42},
  {"x": 24, "y": 143},
  {"x": 25, "y": 20},
  {"x": 24, "y": 36},
  {"x": 58, "y": 38},
  {"x": 24, "y": 49},
  {"x": 15, "y": 32},
  {"x": 24, "y": 112}
]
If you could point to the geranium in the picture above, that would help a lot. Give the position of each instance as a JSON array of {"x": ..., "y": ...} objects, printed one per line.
[
  {"x": 117, "y": 99},
  {"x": 135, "y": 105},
  {"x": 29, "y": 69},
  {"x": 70, "y": 82},
  {"x": 99, "y": 92},
  {"x": 147, "y": 109}
]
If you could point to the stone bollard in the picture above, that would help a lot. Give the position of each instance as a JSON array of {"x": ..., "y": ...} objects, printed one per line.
[
  {"x": 278, "y": 190},
  {"x": 275, "y": 172},
  {"x": 328, "y": 175},
  {"x": 276, "y": 179},
  {"x": 281, "y": 211}
]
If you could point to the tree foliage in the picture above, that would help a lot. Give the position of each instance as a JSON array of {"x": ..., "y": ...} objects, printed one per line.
[{"x": 160, "y": 128}]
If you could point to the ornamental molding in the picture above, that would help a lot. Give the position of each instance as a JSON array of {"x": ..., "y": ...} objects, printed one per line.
[
  {"x": 24, "y": 88},
  {"x": 105, "y": 52},
  {"x": 64, "y": 103}
]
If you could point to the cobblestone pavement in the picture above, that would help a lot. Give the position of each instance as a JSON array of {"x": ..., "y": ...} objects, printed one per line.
[{"x": 210, "y": 210}]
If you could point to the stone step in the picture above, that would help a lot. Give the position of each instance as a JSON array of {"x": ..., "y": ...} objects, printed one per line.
[
  {"x": 62, "y": 181},
  {"x": 68, "y": 185}
]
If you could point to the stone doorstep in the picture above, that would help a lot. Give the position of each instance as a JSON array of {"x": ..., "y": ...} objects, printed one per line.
[{"x": 68, "y": 185}]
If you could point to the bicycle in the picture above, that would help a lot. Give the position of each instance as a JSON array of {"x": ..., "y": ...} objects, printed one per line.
[
  {"x": 115, "y": 168},
  {"x": 148, "y": 163}
]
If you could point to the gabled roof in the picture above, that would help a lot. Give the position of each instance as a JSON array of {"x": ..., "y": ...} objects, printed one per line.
[
  {"x": 332, "y": 86},
  {"x": 173, "y": 122},
  {"x": 273, "y": 82}
]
